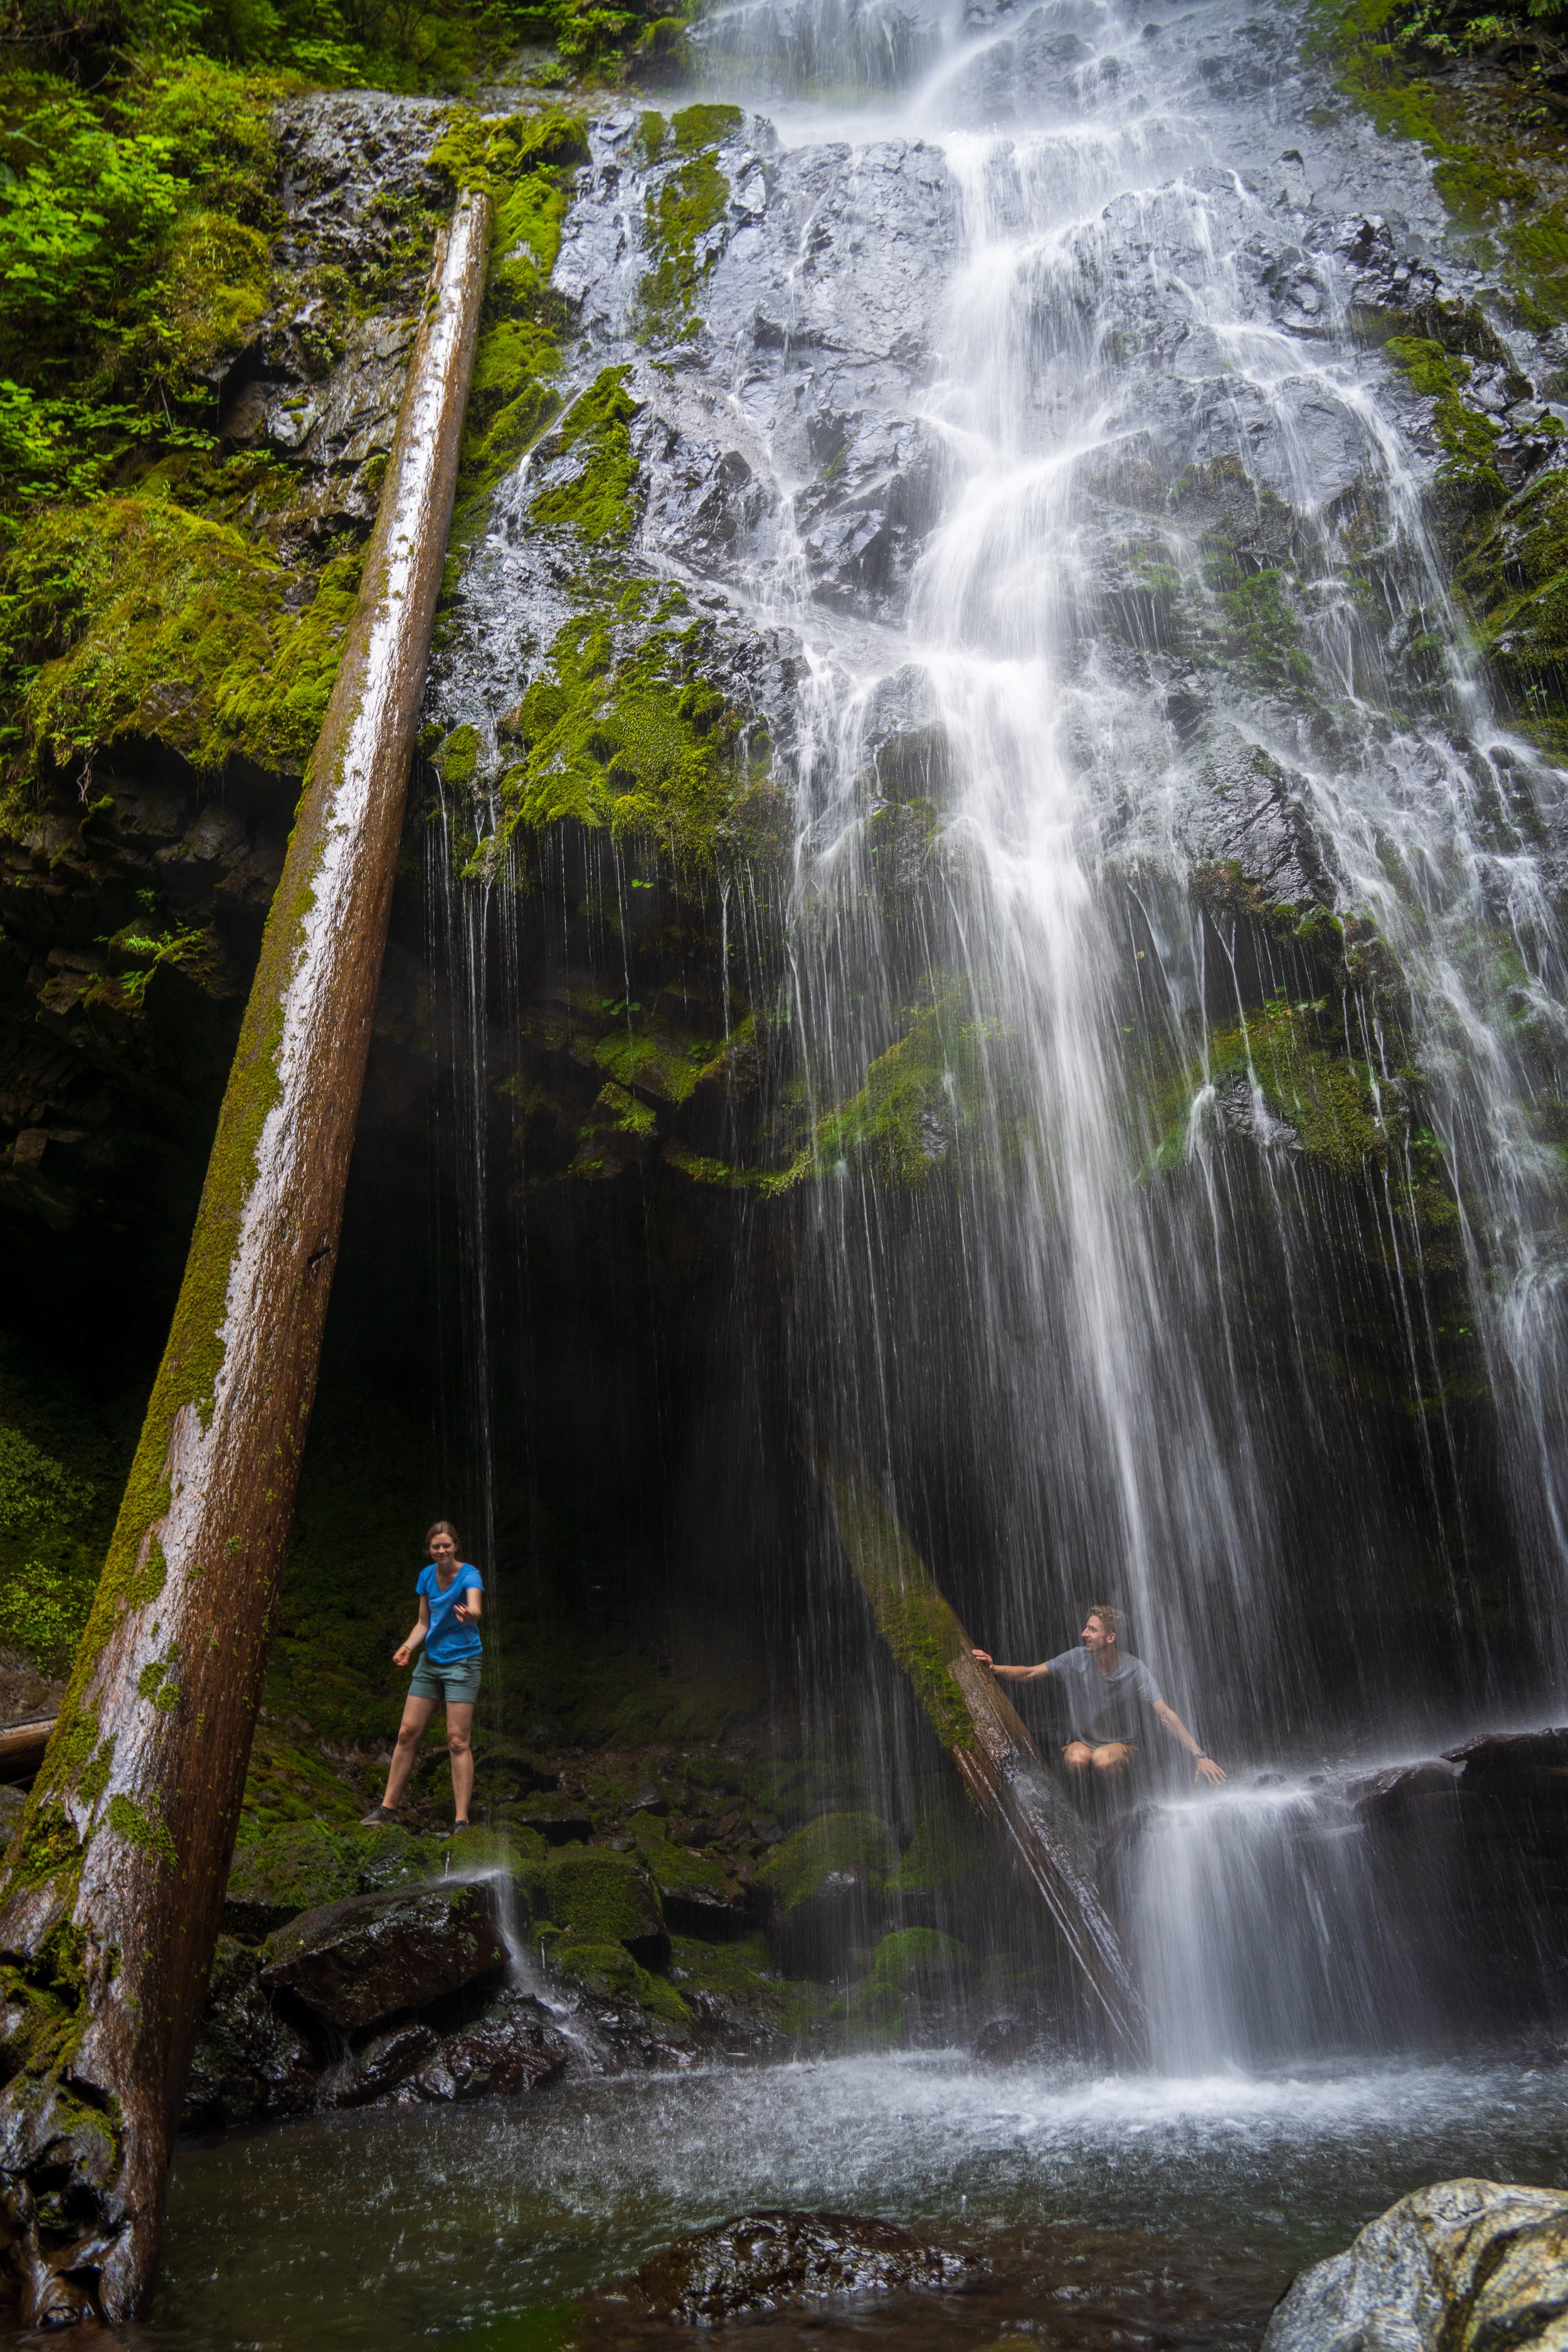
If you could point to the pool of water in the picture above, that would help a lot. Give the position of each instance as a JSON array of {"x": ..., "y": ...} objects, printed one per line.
[{"x": 1119, "y": 2209}]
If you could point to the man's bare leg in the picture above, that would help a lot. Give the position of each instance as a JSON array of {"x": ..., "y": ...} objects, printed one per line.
[
  {"x": 1114, "y": 1757},
  {"x": 1077, "y": 1755}
]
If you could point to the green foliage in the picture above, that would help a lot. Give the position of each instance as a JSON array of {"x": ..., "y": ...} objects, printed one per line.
[
  {"x": 920, "y": 1099},
  {"x": 46, "y": 1585},
  {"x": 1514, "y": 579}
]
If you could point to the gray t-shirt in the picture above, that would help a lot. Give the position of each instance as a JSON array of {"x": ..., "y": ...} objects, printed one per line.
[{"x": 1105, "y": 1707}]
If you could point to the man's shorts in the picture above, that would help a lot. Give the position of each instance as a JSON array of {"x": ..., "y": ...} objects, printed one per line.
[{"x": 457, "y": 1684}]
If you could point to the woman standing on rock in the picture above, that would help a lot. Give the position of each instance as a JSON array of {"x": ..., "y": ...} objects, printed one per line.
[{"x": 450, "y": 1599}]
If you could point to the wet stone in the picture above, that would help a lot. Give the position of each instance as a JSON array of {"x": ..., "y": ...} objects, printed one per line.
[
  {"x": 354, "y": 1962},
  {"x": 765, "y": 2261},
  {"x": 501, "y": 2056},
  {"x": 250, "y": 2065},
  {"x": 1466, "y": 2264}
]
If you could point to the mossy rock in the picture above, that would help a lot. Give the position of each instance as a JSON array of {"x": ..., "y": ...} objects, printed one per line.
[
  {"x": 697, "y": 1894},
  {"x": 824, "y": 1849},
  {"x": 610, "y": 1971},
  {"x": 598, "y": 1897},
  {"x": 301, "y": 1865},
  {"x": 911, "y": 1965}
]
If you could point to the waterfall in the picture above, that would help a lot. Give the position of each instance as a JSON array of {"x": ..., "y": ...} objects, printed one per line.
[{"x": 1171, "y": 1013}]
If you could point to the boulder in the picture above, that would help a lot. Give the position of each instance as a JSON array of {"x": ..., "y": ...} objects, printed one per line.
[
  {"x": 1465, "y": 2266},
  {"x": 695, "y": 1894},
  {"x": 301, "y": 1865},
  {"x": 250, "y": 2065},
  {"x": 501, "y": 2055},
  {"x": 821, "y": 1895},
  {"x": 604, "y": 1898},
  {"x": 381, "y": 2065},
  {"x": 765, "y": 2261},
  {"x": 354, "y": 1962}
]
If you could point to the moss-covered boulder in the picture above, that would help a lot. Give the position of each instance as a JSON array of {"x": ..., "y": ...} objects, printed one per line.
[
  {"x": 608, "y": 1972},
  {"x": 602, "y": 1899},
  {"x": 911, "y": 1970},
  {"x": 823, "y": 1894},
  {"x": 696, "y": 1895},
  {"x": 301, "y": 1865}
]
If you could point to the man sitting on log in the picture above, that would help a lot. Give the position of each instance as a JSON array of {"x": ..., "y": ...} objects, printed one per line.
[{"x": 1106, "y": 1690}]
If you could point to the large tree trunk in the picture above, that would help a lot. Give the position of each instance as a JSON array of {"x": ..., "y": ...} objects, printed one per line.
[
  {"x": 995, "y": 1758},
  {"x": 113, "y": 1885}
]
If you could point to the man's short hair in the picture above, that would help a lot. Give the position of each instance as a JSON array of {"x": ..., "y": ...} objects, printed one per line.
[{"x": 1113, "y": 1620}]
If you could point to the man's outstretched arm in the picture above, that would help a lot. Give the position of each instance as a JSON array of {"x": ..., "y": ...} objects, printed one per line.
[
  {"x": 1013, "y": 1674},
  {"x": 1207, "y": 1770}
]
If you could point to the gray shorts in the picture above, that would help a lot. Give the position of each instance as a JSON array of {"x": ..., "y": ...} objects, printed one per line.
[{"x": 457, "y": 1684}]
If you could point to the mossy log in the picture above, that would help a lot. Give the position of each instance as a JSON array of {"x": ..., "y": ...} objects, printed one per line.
[
  {"x": 995, "y": 1758},
  {"x": 112, "y": 1888}
]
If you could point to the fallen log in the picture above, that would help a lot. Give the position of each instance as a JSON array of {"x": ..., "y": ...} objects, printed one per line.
[
  {"x": 994, "y": 1757},
  {"x": 22, "y": 1747},
  {"x": 112, "y": 1887}
]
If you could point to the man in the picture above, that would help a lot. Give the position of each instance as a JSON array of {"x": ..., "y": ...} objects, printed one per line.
[{"x": 1105, "y": 1690}]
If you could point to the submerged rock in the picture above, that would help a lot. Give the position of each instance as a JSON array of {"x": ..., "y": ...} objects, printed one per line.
[
  {"x": 356, "y": 1961},
  {"x": 763, "y": 2262},
  {"x": 1465, "y": 2265}
]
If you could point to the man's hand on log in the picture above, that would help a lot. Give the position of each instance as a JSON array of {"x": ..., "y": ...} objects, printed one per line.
[{"x": 984, "y": 1656}]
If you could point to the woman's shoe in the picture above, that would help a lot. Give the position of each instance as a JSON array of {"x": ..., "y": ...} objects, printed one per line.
[{"x": 378, "y": 1817}]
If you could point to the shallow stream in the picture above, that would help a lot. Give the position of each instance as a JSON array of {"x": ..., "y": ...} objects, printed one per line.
[{"x": 1108, "y": 2209}]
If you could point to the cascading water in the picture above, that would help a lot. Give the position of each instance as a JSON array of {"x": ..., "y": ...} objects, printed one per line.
[{"x": 1032, "y": 463}]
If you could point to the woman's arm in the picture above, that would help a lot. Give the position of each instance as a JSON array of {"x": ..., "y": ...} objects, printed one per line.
[
  {"x": 406, "y": 1649},
  {"x": 1013, "y": 1674}
]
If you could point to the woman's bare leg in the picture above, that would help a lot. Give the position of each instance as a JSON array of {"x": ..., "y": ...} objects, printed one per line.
[
  {"x": 416, "y": 1714},
  {"x": 460, "y": 1724}
]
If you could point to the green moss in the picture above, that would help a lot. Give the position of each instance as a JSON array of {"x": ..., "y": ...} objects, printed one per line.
[
  {"x": 528, "y": 165},
  {"x": 458, "y": 755},
  {"x": 913, "y": 1617},
  {"x": 609, "y": 1970},
  {"x": 1514, "y": 581},
  {"x": 598, "y": 1897},
  {"x": 833, "y": 1843},
  {"x": 1467, "y": 478},
  {"x": 153, "y": 620},
  {"x": 920, "y": 1099},
  {"x": 621, "y": 730},
  {"x": 1325, "y": 1097},
  {"x": 599, "y": 499},
  {"x": 678, "y": 215},
  {"x": 139, "y": 1827}
]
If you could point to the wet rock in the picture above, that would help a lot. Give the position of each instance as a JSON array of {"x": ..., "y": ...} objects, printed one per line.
[
  {"x": 383, "y": 2062},
  {"x": 354, "y": 1962},
  {"x": 559, "y": 1821},
  {"x": 821, "y": 1895},
  {"x": 1498, "y": 1757},
  {"x": 250, "y": 2065},
  {"x": 501, "y": 2056},
  {"x": 1464, "y": 2265},
  {"x": 768, "y": 2261},
  {"x": 1247, "y": 813}
]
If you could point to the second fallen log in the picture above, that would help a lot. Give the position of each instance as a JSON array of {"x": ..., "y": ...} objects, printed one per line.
[{"x": 991, "y": 1749}]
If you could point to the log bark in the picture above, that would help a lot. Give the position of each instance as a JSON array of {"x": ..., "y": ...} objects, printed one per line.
[
  {"x": 997, "y": 1761},
  {"x": 112, "y": 1888}
]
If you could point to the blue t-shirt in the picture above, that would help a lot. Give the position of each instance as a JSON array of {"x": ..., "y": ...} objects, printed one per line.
[{"x": 450, "y": 1641}]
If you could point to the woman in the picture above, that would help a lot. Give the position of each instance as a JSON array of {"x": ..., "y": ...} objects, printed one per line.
[{"x": 450, "y": 1599}]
